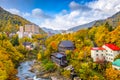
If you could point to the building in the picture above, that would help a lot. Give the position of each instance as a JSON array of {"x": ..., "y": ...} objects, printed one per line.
[
  {"x": 59, "y": 59},
  {"x": 111, "y": 51},
  {"x": 28, "y": 30},
  {"x": 98, "y": 54},
  {"x": 107, "y": 52},
  {"x": 116, "y": 64},
  {"x": 32, "y": 28},
  {"x": 66, "y": 45},
  {"x": 28, "y": 45},
  {"x": 20, "y": 32}
]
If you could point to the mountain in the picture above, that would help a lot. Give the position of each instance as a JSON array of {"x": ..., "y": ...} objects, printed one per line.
[
  {"x": 48, "y": 30},
  {"x": 112, "y": 21},
  {"x": 76, "y": 28},
  {"x": 11, "y": 22}
]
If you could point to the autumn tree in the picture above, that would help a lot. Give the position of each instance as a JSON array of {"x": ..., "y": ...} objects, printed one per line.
[{"x": 112, "y": 74}]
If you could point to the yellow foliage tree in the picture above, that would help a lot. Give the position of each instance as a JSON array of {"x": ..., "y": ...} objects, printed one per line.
[
  {"x": 39, "y": 56},
  {"x": 112, "y": 74}
]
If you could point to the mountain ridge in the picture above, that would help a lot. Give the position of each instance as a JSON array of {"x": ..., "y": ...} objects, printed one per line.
[
  {"x": 112, "y": 21},
  {"x": 10, "y": 22},
  {"x": 87, "y": 25},
  {"x": 49, "y": 30}
]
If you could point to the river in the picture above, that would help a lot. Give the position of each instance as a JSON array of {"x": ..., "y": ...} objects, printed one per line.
[{"x": 24, "y": 72}]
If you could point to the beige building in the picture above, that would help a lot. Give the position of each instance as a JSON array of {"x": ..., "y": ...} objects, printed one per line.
[
  {"x": 28, "y": 30},
  {"x": 32, "y": 28}
]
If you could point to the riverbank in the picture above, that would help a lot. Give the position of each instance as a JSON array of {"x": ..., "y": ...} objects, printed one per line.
[
  {"x": 41, "y": 72},
  {"x": 33, "y": 70}
]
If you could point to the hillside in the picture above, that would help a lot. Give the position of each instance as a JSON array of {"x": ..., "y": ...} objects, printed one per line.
[
  {"x": 76, "y": 28},
  {"x": 48, "y": 30},
  {"x": 113, "y": 21},
  {"x": 10, "y": 22}
]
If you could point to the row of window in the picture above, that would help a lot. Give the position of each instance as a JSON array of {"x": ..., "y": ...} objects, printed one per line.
[
  {"x": 106, "y": 51},
  {"x": 97, "y": 54},
  {"x": 109, "y": 54},
  {"x": 108, "y": 58}
]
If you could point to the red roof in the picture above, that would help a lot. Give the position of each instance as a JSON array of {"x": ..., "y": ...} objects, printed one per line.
[
  {"x": 113, "y": 47},
  {"x": 97, "y": 48}
]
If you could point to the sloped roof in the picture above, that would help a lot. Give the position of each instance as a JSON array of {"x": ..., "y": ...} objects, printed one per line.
[
  {"x": 97, "y": 48},
  {"x": 27, "y": 43},
  {"x": 58, "y": 55},
  {"x": 113, "y": 47},
  {"x": 116, "y": 62},
  {"x": 66, "y": 43}
]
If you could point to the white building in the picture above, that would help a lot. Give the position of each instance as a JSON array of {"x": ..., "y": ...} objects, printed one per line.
[
  {"x": 107, "y": 52},
  {"x": 111, "y": 52},
  {"x": 20, "y": 32},
  {"x": 98, "y": 54}
]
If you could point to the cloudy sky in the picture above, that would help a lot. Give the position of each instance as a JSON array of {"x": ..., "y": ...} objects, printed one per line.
[{"x": 61, "y": 14}]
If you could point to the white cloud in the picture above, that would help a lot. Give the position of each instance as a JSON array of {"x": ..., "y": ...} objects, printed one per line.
[
  {"x": 106, "y": 6},
  {"x": 81, "y": 14},
  {"x": 26, "y": 14},
  {"x": 38, "y": 13},
  {"x": 75, "y": 6},
  {"x": 64, "y": 21},
  {"x": 14, "y": 11}
]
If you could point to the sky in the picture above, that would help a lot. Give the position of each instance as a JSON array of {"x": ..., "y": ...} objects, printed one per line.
[{"x": 61, "y": 14}]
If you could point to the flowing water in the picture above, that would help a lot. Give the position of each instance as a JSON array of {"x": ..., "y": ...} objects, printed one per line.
[{"x": 24, "y": 72}]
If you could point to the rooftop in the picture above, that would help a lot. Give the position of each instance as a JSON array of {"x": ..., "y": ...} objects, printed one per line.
[
  {"x": 66, "y": 43},
  {"x": 116, "y": 62},
  {"x": 27, "y": 43},
  {"x": 113, "y": 47},
  {"x": 97, "y": 48},
  {"x": 59, "y": 55}
]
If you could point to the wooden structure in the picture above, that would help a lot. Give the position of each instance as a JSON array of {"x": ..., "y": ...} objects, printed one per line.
[
  {"x": 59, "y": 59},
  {"x": 66, "y": 45}
]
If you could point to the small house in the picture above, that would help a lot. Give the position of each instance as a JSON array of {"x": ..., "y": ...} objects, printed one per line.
[
  {"x": 59, "y": 59},
  {"x": 66, "y": 45},
  {"x": 28, "y": 45},
  {"x": 116, "y": 64}
]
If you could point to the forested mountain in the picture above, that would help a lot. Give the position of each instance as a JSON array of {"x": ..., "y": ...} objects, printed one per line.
[
  {"x": 10, "y": 22},
  {"x": 87, "y": 25},
  {"x": 112, "y": 21},
  {"x": 47, "y": 30}
]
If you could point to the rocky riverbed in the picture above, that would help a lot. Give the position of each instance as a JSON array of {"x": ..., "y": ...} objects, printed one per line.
[
  {"x": 32, "y": 70},
  {"x": 25, "y": 72}
]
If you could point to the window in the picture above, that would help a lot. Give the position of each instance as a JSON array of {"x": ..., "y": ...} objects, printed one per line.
[
  {"x": 96, "y": 54},
  {"x": 101, "y": 54},
  {"x": 106, "y": 57}
]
